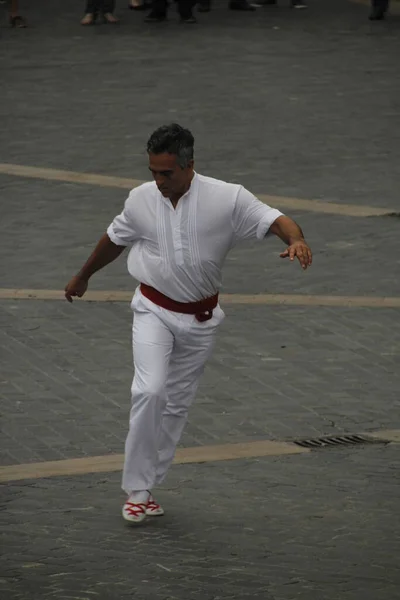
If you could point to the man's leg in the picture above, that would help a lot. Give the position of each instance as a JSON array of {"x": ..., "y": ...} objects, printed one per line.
[
  {"x": 204, "y": 6},
  {"x": 158, "y": 11},
  {"x": 15, "y": 18},
  {"x": 378, "y": 9},
  {"x": 186, "y": 367},
  {"x": 152, "y": 346},
  {"x": 91, "y": 12},
  {"x": 242, "y": 5},
  {"x": 185, "y": 9},
  {"x": 108, "y": 8}
]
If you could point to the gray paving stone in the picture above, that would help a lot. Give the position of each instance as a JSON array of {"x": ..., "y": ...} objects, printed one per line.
[
  {"x": 274, "y": 98},
  {"x": 273, "y": 375},
  {"x": 293, "y": 528},
  {"x": 297, "y": 103},
  {"x": 351, "y": 256}
]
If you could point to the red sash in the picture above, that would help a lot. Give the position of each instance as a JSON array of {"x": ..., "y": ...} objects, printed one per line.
[{"x": 203, "y": 309}]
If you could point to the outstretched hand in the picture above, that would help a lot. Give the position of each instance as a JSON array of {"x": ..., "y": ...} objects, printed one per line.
[
  {"x": 301, "y": 250},
  {"x": 76, "y": 287}
]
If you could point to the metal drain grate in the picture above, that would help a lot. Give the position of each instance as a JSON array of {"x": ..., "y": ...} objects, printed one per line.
[{"x": 338, "y": 440}]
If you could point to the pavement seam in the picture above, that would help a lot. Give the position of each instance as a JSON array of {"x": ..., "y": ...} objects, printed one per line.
[
  {"x": 318, "y": 206},
  {"x": 244, "y": 299},
  {"x": 198, "y": 454}
]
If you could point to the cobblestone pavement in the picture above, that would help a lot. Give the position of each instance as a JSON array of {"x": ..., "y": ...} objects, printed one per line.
[
  {"x": 320, "y": 526},
  {"x": 292, "y": 103},
  {"x": 298, "y": 103},
  {"x": 278, "y": 372}
]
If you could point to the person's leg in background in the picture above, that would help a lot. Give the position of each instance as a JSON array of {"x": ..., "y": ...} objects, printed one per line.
[
  {"x": 158, "y": 11},
  {"x": 91, "y": 12},
  {"x": 379, "y": 9},
  {"x": 108, "y": 8},
  {"x": 15, "y": 18},
  {"x": 185, "y": 9}
]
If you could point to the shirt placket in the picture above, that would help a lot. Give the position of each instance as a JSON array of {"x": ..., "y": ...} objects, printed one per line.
[{"x": 176, "y": 221}]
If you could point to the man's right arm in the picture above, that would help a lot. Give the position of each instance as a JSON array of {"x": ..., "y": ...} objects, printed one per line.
[{"x": 104, "y": 253}]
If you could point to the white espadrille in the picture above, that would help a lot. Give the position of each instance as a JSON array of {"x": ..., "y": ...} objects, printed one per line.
[
  {"x": 134, "y": 512},
  {"x": 153, "y": 509}
]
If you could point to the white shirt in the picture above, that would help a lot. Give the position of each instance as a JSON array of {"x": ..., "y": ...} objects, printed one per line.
[{"x": 180, "y": 252}]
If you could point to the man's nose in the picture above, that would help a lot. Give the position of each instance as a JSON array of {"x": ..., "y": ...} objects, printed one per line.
[{"x": 160, "y": 180}]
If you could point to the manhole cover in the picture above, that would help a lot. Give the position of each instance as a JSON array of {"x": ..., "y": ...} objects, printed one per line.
[{"x": 338, "y": 440}]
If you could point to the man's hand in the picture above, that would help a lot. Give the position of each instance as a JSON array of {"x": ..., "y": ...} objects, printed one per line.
[
  {"x": 104, "y": 253},
  {"x": 76, "y": 287},
  {"x": 301, "y": 250},
  {"x": 290, "y": 233}
]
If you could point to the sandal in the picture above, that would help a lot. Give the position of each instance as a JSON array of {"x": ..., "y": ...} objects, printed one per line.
[
  {"x": 141, "y": 6},
  {"x": 88, "y": 19},
  {"x": 18, "y": 22},
  {"x": 110, "y": 19}
]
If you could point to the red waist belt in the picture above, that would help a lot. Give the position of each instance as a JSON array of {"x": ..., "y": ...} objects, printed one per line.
[{"x": 203, "y": 309}]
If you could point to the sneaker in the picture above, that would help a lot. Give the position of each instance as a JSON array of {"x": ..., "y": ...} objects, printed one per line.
[
  {"x": 134, "y": 512},
  {"x": 153, "y": 509}
]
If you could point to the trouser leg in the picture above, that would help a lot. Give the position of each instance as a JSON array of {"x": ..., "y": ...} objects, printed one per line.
[
  {"x": 186, "y": 366},
  {"x": 159, "y": 7},
  {"x": 108, "y": 6},
  {"x": 152, "y": 346},
  {"x": 185, "y": 8}
]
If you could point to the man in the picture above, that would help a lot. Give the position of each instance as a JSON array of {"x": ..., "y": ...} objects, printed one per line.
[{"x": 180, "y": 229}]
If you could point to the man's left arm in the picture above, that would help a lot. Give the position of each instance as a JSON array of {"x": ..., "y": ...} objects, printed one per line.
[{"x": 286, "y": 229}]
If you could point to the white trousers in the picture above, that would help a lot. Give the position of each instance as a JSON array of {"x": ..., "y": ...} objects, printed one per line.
[{"x": 170, "y": 351}]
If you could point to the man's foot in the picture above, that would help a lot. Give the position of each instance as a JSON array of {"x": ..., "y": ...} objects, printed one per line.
[
  {"x": 134, "y": 512},
  {"x": 154, "y": 17},
  {"x": 242, "y": 5},
  {"x": 298, "y": 4},
  {"x": 109, "y": 18},
  {"x": 153, "y": 509},
  {"x": 88, "y": 19},
  {"x": 138, "y": 5}
]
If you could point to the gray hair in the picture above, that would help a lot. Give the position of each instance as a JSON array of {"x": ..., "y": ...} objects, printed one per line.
[{"x": 173, "y": 139}]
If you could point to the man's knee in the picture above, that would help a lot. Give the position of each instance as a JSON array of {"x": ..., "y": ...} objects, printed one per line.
[{"x": 152, "y": 388}]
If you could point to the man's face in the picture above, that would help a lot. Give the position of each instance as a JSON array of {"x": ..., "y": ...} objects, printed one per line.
[{"x": 170, "y": 178}]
